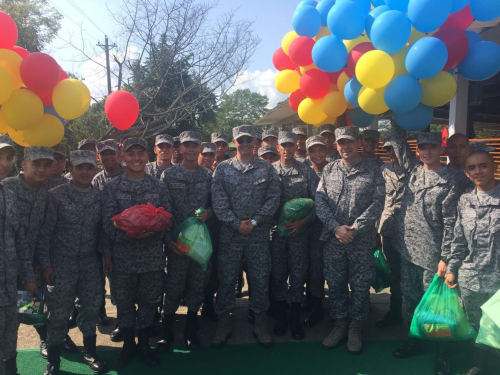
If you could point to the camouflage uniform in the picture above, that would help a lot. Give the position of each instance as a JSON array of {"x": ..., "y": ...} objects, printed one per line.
[
  {"x": 138, "y": 264},
  {"x": 475, "y": 250},
  {"x": 426, "y": 219},
  {"x": 153, "y": 169},
  {"x": 462, "y": 181},
  {"x": 188, "y": 191},
  {"x": 68, "y": 244},
  {"x": 350, "y": 195},
  {"x": 328, "y": 128},
  {"x": 290, "y": 255},
  {"x": 103, "y": 177},
  {"x": 265, "y": 149},
  {"x": 243, "y": 191},
  {"x": 373, "y": 134},
  {"x": 53, "y": 182},
  {"x": 333, "y": 156},
  {"x": 301, "y": 158}
]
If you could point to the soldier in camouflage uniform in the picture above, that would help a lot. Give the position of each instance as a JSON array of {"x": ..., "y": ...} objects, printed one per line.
[
  {"x": 56, "y": 177},
  {"x": 270, "y": 138},
  {"x": 67, "y": 253},
  {"x": 188, "y": 186},
  {"x": 221, "y": 142},
  {"x": 269, "y": 154},
  {"x": 349, "y": 201},
  {"x": 7, "y": 155},
  {"x": 207, "y": 156},
  {"x": 87, "y": 145},
  {"x": 258, "y": 144},
  {"x": 327, "y": 131},
  {"x": 369, "y": 142},
  {"x": 177, "y": 155},
  {"x": 245, "y": 196},
  {"x": 138, "y": 261},
  {"x": 457, "y": 150},
  {"x": 301, "y": 153},
  {"x": 289, "y": 255},
  {"x": 164, "y": 149}
]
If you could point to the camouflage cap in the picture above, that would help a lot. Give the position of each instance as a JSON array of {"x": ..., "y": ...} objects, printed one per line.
[
  {"x": 5, "y": 141},
  {"x": 315, "y": 140},
  {"x": 61, "y": 150},
  {"x": 387, "y": 143},
  {"x": 258, "y": 136},
  {"x": 220, "y": 137},
  {"x": 82, "y": 157},
  {"x": 269, "y": 133},
  {"x": 108, "y": 144},
  {"x": 481, "y": 146},
  {"x": 164, "y": 138},
  {"x": 267, "y": 149},
  {"x": 208, "y": 147},
  {"x": 300, "y": 130},
  {"x": 373, "y": 134},
  {"x": 190, "y": 136},
  {"x": 177, "y": 139},
  {"x": 287, "y": 137},
  {"x": 347, "y": 132},
  {"x": 242, "y": 130},
  {"x": 88, "y": 141},
  {"x": 432, "y": 138},
  {"x": 129, "y": 142},
  {"x": 33, "y": 153},
  {"x": 327, "y": 128}
]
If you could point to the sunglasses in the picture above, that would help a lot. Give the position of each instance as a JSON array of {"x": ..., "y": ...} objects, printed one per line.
[{"x": 244, "y": 139}]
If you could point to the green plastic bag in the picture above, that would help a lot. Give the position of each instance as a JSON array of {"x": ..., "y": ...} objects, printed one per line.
[
  {"x": 30, "y": 312},
  {"x": 440, "y": 316},
  {"x": 192, "y": 236},
  {"x": 489, "y": 329},
  {"x": 294, "y": 209},
  {"x": 383, "y": 273}
]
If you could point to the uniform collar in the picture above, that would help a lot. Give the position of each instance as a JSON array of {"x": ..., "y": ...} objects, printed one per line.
[
  {"x": 241, "y": 166},
  {"x": 292, "y": 170}
]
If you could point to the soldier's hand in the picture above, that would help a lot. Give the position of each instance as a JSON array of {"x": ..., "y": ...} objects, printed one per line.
[
  {"x": 344, "y": 234},
  {"x": 48, "y": 276},
  {"x": 245, "y": 227},
  {"x": 442, "y": 267},
  {"x": 295, "y": 226},
  {"x": 204, "y": 216},
  {"x": 108, "y": 266},
  {"x": 450, "y": 281},
  {"x": 32, "y": 289},
  {"x": 139, "y": 236},
  {"x": 176, "y": 249}
]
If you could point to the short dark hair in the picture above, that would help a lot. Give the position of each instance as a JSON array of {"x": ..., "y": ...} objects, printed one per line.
[
  {"x": 457, "y": 135},
  {"x": 480, "y": 152}
]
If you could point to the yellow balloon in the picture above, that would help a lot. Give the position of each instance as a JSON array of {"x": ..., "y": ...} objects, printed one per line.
[
  {"x": 399, "y": 62},
  {"x": 310, "y": 111},
  {"x": 372, "y": 100},
  {"x": 342, "y": 81},
  {"x": 325, "y": 31},
  {"x": 5, "y": 85},
  {"x": 304, "y": 69},
  {"x": 438, "y": 90},
  {"x": 329, "y": 120},
  {"x": 22, "y": 110},
  {"x": 415, "y": 35},
  {"x": 12, "y": 62},
  {"x": 375, "y": 69},
  {"x": 334, "y": 104},
  {"x": 286, "y": 81},
  {"x": 4, "y": 127},
  {"x": 49, "y": 132},
  {"x": 71, "y": 98},
  {"x": 350, "y": 44},
  {"x": 18, "y": 137},
  {"x": 287, "y": 40}
]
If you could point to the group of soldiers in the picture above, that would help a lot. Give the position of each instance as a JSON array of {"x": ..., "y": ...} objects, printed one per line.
[{"x": 57, "y": 235}]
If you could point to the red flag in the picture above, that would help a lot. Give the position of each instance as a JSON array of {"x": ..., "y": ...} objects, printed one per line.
[{"x": 444, "y": 135}]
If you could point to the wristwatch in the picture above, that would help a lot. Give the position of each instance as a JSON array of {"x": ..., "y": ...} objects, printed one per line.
[{"x": 254, "y": 223}]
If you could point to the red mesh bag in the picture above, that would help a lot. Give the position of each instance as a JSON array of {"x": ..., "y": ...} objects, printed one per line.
[{"x": 141, "y": 219}]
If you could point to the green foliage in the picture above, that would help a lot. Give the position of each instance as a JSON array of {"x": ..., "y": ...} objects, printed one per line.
[
  {"x": 93, "y": 124},
  {"x": 482, "y": 133}
]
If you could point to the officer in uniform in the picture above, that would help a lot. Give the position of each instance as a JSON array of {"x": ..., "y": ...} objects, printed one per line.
[
  {"x": 164, "y": 149},
  {"x": 110, "y": 156},
  {"x": 269, "y": 154},
  {"x": 349, "y": 200},
  {"x": 270, "y": 138},
  {"x": 138, "y": 261},
  {"x": 56, "y": 177},
  {"x": 457, "y": 150},
  {"x": 290, "y": 255},
  {"x": 87, "y": 144},
  {"x": 327, "y": 131},
  {"x": 369, "y": 142},
  {"x": 207, "y": 156},
  {"x": 177, "y": 155},
  {"x": 221, "y": 142},
  {"x": 245, "y": 196},
  {"x": 7, "y": 155},
  {"x": 66, "y": 252},
  {"x": 301, "y": 153}
]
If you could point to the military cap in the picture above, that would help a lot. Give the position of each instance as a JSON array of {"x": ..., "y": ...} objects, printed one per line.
[
  {"x": 287, "y": 137},
  {"x": 327, "y": 128},
  {"x": 258, "y": 136},
  {"x": 82, "y": 157},
  {"x": 5, "y": 141},
  {"x": 242, "y": 130},
  {"x": 220, "y": 137},
  {"x": 373, "y": 134},
  {"x": 33, "y": 153},
  {"x": 300, "y": 130},
  {"x": 61, "y": 150},
  {"x": 347, "y": 132},
  {"x": 129, "y": 142},
  {"x": 190, "y": 136},
  {"x": 269, "y": 133},
  {"x": 88, "y": 141},
  {"x": 432, "y": 138},
  {"x": 315, "y": 140},
  {"x": 108, "y": 144},
  {"x": 481, "y": 146},
  {"x": 164, "y": 138},
  {"x": 208, "y": 147},
  {"x": 267, "y": 149},
  {"x": 177, "y": 139}
]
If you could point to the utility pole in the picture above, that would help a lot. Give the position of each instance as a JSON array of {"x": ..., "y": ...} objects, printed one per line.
[{"x": 107, "y": 48}]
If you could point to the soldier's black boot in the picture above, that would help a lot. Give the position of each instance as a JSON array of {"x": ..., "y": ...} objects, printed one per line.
[
  {"x": 307, "y": 306},
  {"x": 190, "y": 335},
  {"x": 72, "y": 318},
  {"x": 90, "y": 356},
  {"x": 54, "y": 360},
  {"x": 128, "y": 349},
  {"x": 42, "y": 332},
  {"x": 148, "y": 356},
  {"x": 295, "y": 325},
  {"x": 208, "y": 310},
  {"x": 239, "y": 286},
  {"x": 167, "y": 335},
  {"x": 481, "y": 359},
  {"x": 68, "y": 345},
  {"x": 394, "y": 315},
  {"x": 410, "y": 348},
  {"x": 281, "y": 323},
  {"x": 317, "y": 313},
  {"x": 442, "y": 363},
  {"x": 251, "y": 316},
  {"x": 10, "y": 366},
  {"x": 116, "y": 335}
]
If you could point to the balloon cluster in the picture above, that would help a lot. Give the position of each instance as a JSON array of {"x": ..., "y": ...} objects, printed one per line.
[{"x": 363, "y": 58}]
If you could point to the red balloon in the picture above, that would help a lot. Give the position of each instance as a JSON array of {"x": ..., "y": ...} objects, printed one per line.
[
  {"x": 8, "y": 31},
  {"x": 457, "y": 44},
  {"x": 300, "y": 51},
  {"x": 295, "y": 99},
  {"x": 355, "y": 55},
  {"x": 20, "y": 51},
  {"x": 281, "y": 61},
  {"x": 40, "y": 72},
  {"x": 122, "y": 109},
  {"x": 334, "y": 77},
  {"x": 315, "y": 84},
  {"x": 460, "y": 20},
  {"x": 62, "y": 75},
  {"x": 46, "y": 97}
]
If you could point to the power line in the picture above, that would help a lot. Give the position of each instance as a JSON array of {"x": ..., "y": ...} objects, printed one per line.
[
  {"x": 68, "y": 17},
  {"x": 85, "y": 15}
]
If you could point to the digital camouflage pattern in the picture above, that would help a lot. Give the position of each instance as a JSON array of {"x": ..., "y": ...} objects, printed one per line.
[
  {"x": 52, "y": 183},
  {"x": 103, "y": 177},
  {"x": 155, "y": 170},
  {"x": 472, "y": 304},
  {"x": 415, "y": 281},
  {"x": 394, "y": 177}
]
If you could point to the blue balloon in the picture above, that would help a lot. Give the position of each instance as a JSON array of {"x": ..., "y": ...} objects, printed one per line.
[
  {"x": 50, "y": 110},
  {"x": 377, "y": 3},
  {"x": 360, "y": 118},
  {"x": 473, "y": 37},
  {"x": 426, "y": 57},
  {"x": 311, "y": 3},
  {"x": 364, "y": 5},
  {"x": 482, "y": 61},
  {"x": 390, "y": 31},
  {"x": 485, "y": 10},
  {"x": 428, "y": 15},
  {"x": 323, "y": 8},
  {"x": 403, "y": 94},
  {"x": 372, "y": 16},
  {"x": 346, "y": 20},
  {"x": 329, "y": 54},
  {"x": 401, "y": 5},
  {"x": 457, "y": 5},
  {"x": 417, "y": 119},
  {"x": 306, "y": 21},
  {"x": 351, "y": 91}
]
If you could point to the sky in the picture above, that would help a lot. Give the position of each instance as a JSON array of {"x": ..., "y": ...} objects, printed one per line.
[{"x": 272, "y": 20}]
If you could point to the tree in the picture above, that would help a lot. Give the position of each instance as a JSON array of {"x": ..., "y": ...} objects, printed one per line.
[
  {"x": 93, "y": 124},
  {"x": 37, "y": 22}
]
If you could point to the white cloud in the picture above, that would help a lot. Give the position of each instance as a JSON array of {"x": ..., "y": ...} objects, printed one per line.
[{"x": 261, "y": 82}]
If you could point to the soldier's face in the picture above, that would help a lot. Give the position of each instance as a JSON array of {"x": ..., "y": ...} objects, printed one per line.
[
  {"x": 301, "y": 142},
  {"x": 177, "y": 155},
  {"x": 481, "y": 170},
  {"x": 270, "y": 157},
  {"x": 207, "y": 159},
  {"x": 288, "y": 151},
  {"x": 430, "y": 154},
  {"x": 38, "y": 170},
  {"x": 136, "y": 158},
  {"x": 270, "y": 141},
  {"x": 329, "y": 139},
  {"x": 58, "y": 165},
  {"x": 457, "y": 150},
  {"x": 348, "y": 149},
  {"x": 82, "y": 175},
  {"x": 110, "y": 159},
  {"x": 190, "y": 151},
  {"x": 369, "y": 145},
  {"x": 258, "y": 143},
  {"x": 164, "y": 151},
  {"x": 244, "y": 144},
  {"x": 6, "y": 161},
  {"x": 221, "y": 148},
  {"x": 317, "y": 154}
]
